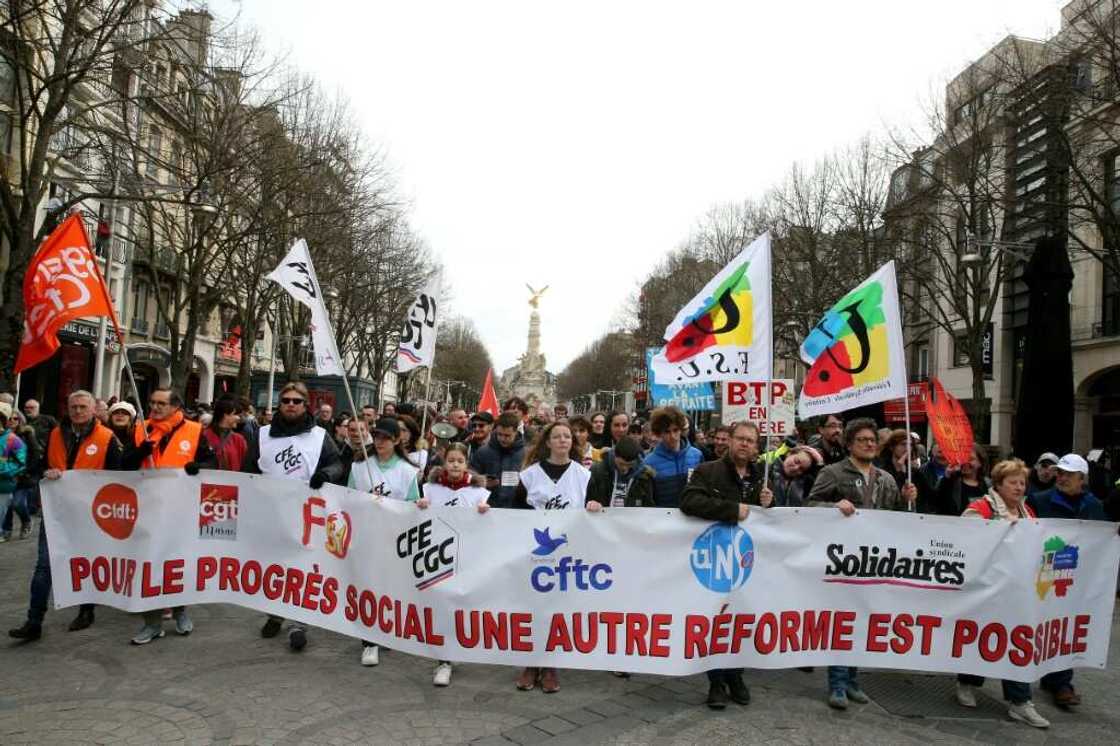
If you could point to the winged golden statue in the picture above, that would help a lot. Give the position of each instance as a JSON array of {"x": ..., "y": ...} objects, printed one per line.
[{"x": 535, "y": 298}]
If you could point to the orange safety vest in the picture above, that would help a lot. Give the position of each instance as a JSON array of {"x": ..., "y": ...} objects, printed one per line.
[
  {"x": 180, "y": 448},
  {"x": 91, "y": 451}
]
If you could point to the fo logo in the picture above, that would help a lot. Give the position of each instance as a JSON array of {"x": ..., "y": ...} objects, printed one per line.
[
  {"x": 722, "y": 557},
  {"x": 336, "y": 525},
  {"x": 217, "y": 512},
  {"x": 115, "y": 510}
]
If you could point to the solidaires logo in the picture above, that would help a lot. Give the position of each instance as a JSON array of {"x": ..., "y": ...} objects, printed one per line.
[{"x": 722, "y": 557}]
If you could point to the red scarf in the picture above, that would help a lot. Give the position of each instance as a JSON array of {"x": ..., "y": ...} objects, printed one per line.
[{"x": 445, "y": 480}]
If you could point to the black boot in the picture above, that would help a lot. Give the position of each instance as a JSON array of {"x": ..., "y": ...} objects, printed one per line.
[
  {"x": 84, "y": 618},
  {"x": 740, "y": 694},
  {"x": 717, "y": 696},
  {"x": 27, "y": 632}
]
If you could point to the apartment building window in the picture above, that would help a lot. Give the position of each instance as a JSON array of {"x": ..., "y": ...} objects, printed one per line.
[
  {"x": 961, "y": 358},
  {"x": 1112, "y": 180},
  {"x": 140, "y": 294},
  {"x": 155, "y": 148},
  {"x": 1110, "y": 304},
  {"x": 922, "y": 367}
]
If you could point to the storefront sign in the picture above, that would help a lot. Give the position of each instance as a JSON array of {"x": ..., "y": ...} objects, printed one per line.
[
  {"x": 894, "y": 411},
  {"x": 83, "y": 332},
  {"x": 987, "y": 351},
  {"x": 156, "y": 356}
]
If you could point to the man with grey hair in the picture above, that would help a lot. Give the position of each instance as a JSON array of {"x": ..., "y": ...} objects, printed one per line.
[{"x": 78, "y": 442}]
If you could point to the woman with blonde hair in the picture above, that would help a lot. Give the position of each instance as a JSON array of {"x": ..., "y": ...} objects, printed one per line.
[{"x": 1005, "y": 501}]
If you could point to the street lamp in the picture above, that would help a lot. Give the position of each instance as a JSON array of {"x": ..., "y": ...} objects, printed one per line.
[{"x": 972, "y": 256}]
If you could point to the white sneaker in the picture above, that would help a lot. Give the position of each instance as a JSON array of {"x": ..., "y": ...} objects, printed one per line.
[
  {"x": 371, "y": 655},
  {"x": 443, "y": 674},
  {"x": 966, "y": 695},
  {"x": 1025, "y": 713}
]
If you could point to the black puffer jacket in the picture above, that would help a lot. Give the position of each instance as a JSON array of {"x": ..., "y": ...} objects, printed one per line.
[
  {"x": 492, "y": 460},
  {"x": 716, "y": 491}
]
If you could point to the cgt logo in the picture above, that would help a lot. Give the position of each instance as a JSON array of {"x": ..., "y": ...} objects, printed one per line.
[
  {"x": 566, "y": 573},
  {"x": 337, "y": 526},
  {"x": 217, "y": 512},
  {"x": 722, "y": 557},
  {"x": 115, "y": 510},
  {"x": 430, "y": 548}
]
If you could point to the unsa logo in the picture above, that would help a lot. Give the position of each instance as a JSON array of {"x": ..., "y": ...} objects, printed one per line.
[
  {"x": 722, "y": 557},
  {"x": 115, "y": 510}
]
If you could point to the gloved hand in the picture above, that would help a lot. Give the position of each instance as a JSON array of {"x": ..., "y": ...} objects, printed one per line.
[
  {"x": 191, "y": 467},
  {"x": 317, "y": 480},
  {"x": 145, "y": 449}
]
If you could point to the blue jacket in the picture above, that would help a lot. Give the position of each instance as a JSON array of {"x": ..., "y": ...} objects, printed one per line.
[
  {"x": 493, "y": 459},
  {"x": 1054, "y": 504},
  {"x": 670, "y": 472}
]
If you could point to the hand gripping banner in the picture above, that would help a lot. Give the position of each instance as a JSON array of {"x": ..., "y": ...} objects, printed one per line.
[{"x": 630, "y": 589}]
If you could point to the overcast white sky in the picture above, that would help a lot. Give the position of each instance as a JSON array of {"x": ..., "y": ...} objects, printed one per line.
[{"x": 573, "y": 144}]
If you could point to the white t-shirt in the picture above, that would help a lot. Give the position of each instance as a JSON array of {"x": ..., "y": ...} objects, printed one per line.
[
  {"x": 393, "y": 480},
  {"x": 568, "y": 493},
  {"x": 469, "y": 496}
]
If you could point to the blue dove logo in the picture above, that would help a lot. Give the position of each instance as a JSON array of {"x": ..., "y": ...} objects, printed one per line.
[{"x": 546, "y": 545}]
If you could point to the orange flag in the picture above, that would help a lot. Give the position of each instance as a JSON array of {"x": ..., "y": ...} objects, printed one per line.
[
  {"x": 489, "y": 400},
  {"x": 63, "y": 283},
  {"x": 951, "y": 427}
]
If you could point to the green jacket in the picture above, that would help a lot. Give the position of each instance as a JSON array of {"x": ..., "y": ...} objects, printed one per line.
[
  {"x": 639, "y": 492},
  {"x": 715, "y": 490}
]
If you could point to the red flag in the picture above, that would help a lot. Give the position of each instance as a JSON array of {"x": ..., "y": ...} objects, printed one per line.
[
  {"x": 63, "y": 283},
  {"x": 489, "y": 400},
  {"x": 951, "y": 427}
]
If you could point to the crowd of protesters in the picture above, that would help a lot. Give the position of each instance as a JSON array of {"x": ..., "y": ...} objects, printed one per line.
[{"x": 544, "y": 460}]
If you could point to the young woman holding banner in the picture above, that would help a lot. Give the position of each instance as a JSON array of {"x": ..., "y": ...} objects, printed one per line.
[
  {"x": 453, "y": 485},
  {"x": 553, "y": 479}
]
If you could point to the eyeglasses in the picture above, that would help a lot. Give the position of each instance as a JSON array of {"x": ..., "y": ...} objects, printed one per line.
[
  {"x": 290, "y": 400},
  {"x": 868, "y": 439}
]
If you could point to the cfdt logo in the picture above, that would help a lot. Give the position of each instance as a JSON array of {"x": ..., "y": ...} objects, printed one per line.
[
  {"x": 115, "y": 510},
  {"x": 722, "y": 557},
  {"x": 217, "y": 512},
  {"x": 567, "y": 572},
  {"x": 336, "y": 525},
  {"x": 430, "y": 548},
  {"x": 1058, "y": 566}
]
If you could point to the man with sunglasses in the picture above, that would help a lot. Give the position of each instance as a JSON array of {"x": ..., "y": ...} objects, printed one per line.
[
  {"x": 169, "y": 441},
  {"x": 481, "y": 425},
  {"x": 293, "y": 447}
]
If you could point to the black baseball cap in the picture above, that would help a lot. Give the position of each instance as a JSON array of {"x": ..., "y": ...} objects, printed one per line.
[
  {"x": 483, "y": 417},
  {"x": 387, "y": 426}
]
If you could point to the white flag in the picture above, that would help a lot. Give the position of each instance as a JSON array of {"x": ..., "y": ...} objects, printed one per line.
[
  {"x": 855, "y": 352},
  {"x": 296, "y": 274},
  {"x": 724, "y": 333},
  {"x": 418, "y": 335}
]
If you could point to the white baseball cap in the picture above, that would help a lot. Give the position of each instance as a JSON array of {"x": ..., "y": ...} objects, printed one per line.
[
  {"x": 1047, "y": 457},
  {"x": 1073, "y": 462}
]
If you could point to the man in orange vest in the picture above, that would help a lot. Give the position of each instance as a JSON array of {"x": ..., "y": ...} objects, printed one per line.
[
  {"x": 78, "y": 442},
  {"x": 170, "y": 441}
]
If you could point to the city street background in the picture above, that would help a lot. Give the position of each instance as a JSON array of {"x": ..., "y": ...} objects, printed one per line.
[{"x": 225, "y": 684}]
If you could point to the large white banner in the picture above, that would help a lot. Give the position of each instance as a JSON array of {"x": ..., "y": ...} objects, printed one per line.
[{"x": 630, "y": 589}]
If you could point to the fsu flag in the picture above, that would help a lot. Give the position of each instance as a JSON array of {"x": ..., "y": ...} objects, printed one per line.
[
  {"x": 855, "y": 353},
  {"x": 950, "y": 425},
  {"x": 296, "y": 274},
  {"x": 417, "y": 347},
  {"x": 489, "y": 400},
  {"x": 724, "y": 333},
  {"x": 63, "y": 283}
]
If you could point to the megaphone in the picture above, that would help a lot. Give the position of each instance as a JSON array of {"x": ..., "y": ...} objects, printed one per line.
[{"x": 444, "y": 430}]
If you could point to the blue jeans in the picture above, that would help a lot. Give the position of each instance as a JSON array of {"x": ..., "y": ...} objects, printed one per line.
[
  {"x": 18, "y": 506},
  {"x": 1015, "y": 692},
  {"x": 842, "y": 678}
]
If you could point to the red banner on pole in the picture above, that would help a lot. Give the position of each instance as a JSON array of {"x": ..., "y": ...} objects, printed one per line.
[
  {"x": 951, "y": 427},
  {"x": 63, "y": 283},
  {"x": 489, "y": 400}
]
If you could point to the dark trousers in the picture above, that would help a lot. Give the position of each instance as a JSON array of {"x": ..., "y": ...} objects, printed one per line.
[
  {"x": 1015, "y": 692},
  {"x": 724, "y": 675},
  {"x": 41, "y": 582},
  {"x": 1057, "y": 681}
]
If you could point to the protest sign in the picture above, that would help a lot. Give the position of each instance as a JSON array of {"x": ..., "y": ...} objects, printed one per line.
[{"x": 746, "y": 402}]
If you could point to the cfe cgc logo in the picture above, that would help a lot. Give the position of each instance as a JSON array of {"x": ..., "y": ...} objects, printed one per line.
[
  {"x": 115, "y": 510},
  {"x": 217, "y": 512},
  {"x": 1057, "y": 569},
  {"x": 431, "y": 549},
  {"x": 565, "y": 573},
  {"x": 722, "y": 557}
]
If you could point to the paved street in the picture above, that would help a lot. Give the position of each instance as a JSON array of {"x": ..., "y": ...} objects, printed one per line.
[{"x": 224, "y": 684}]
